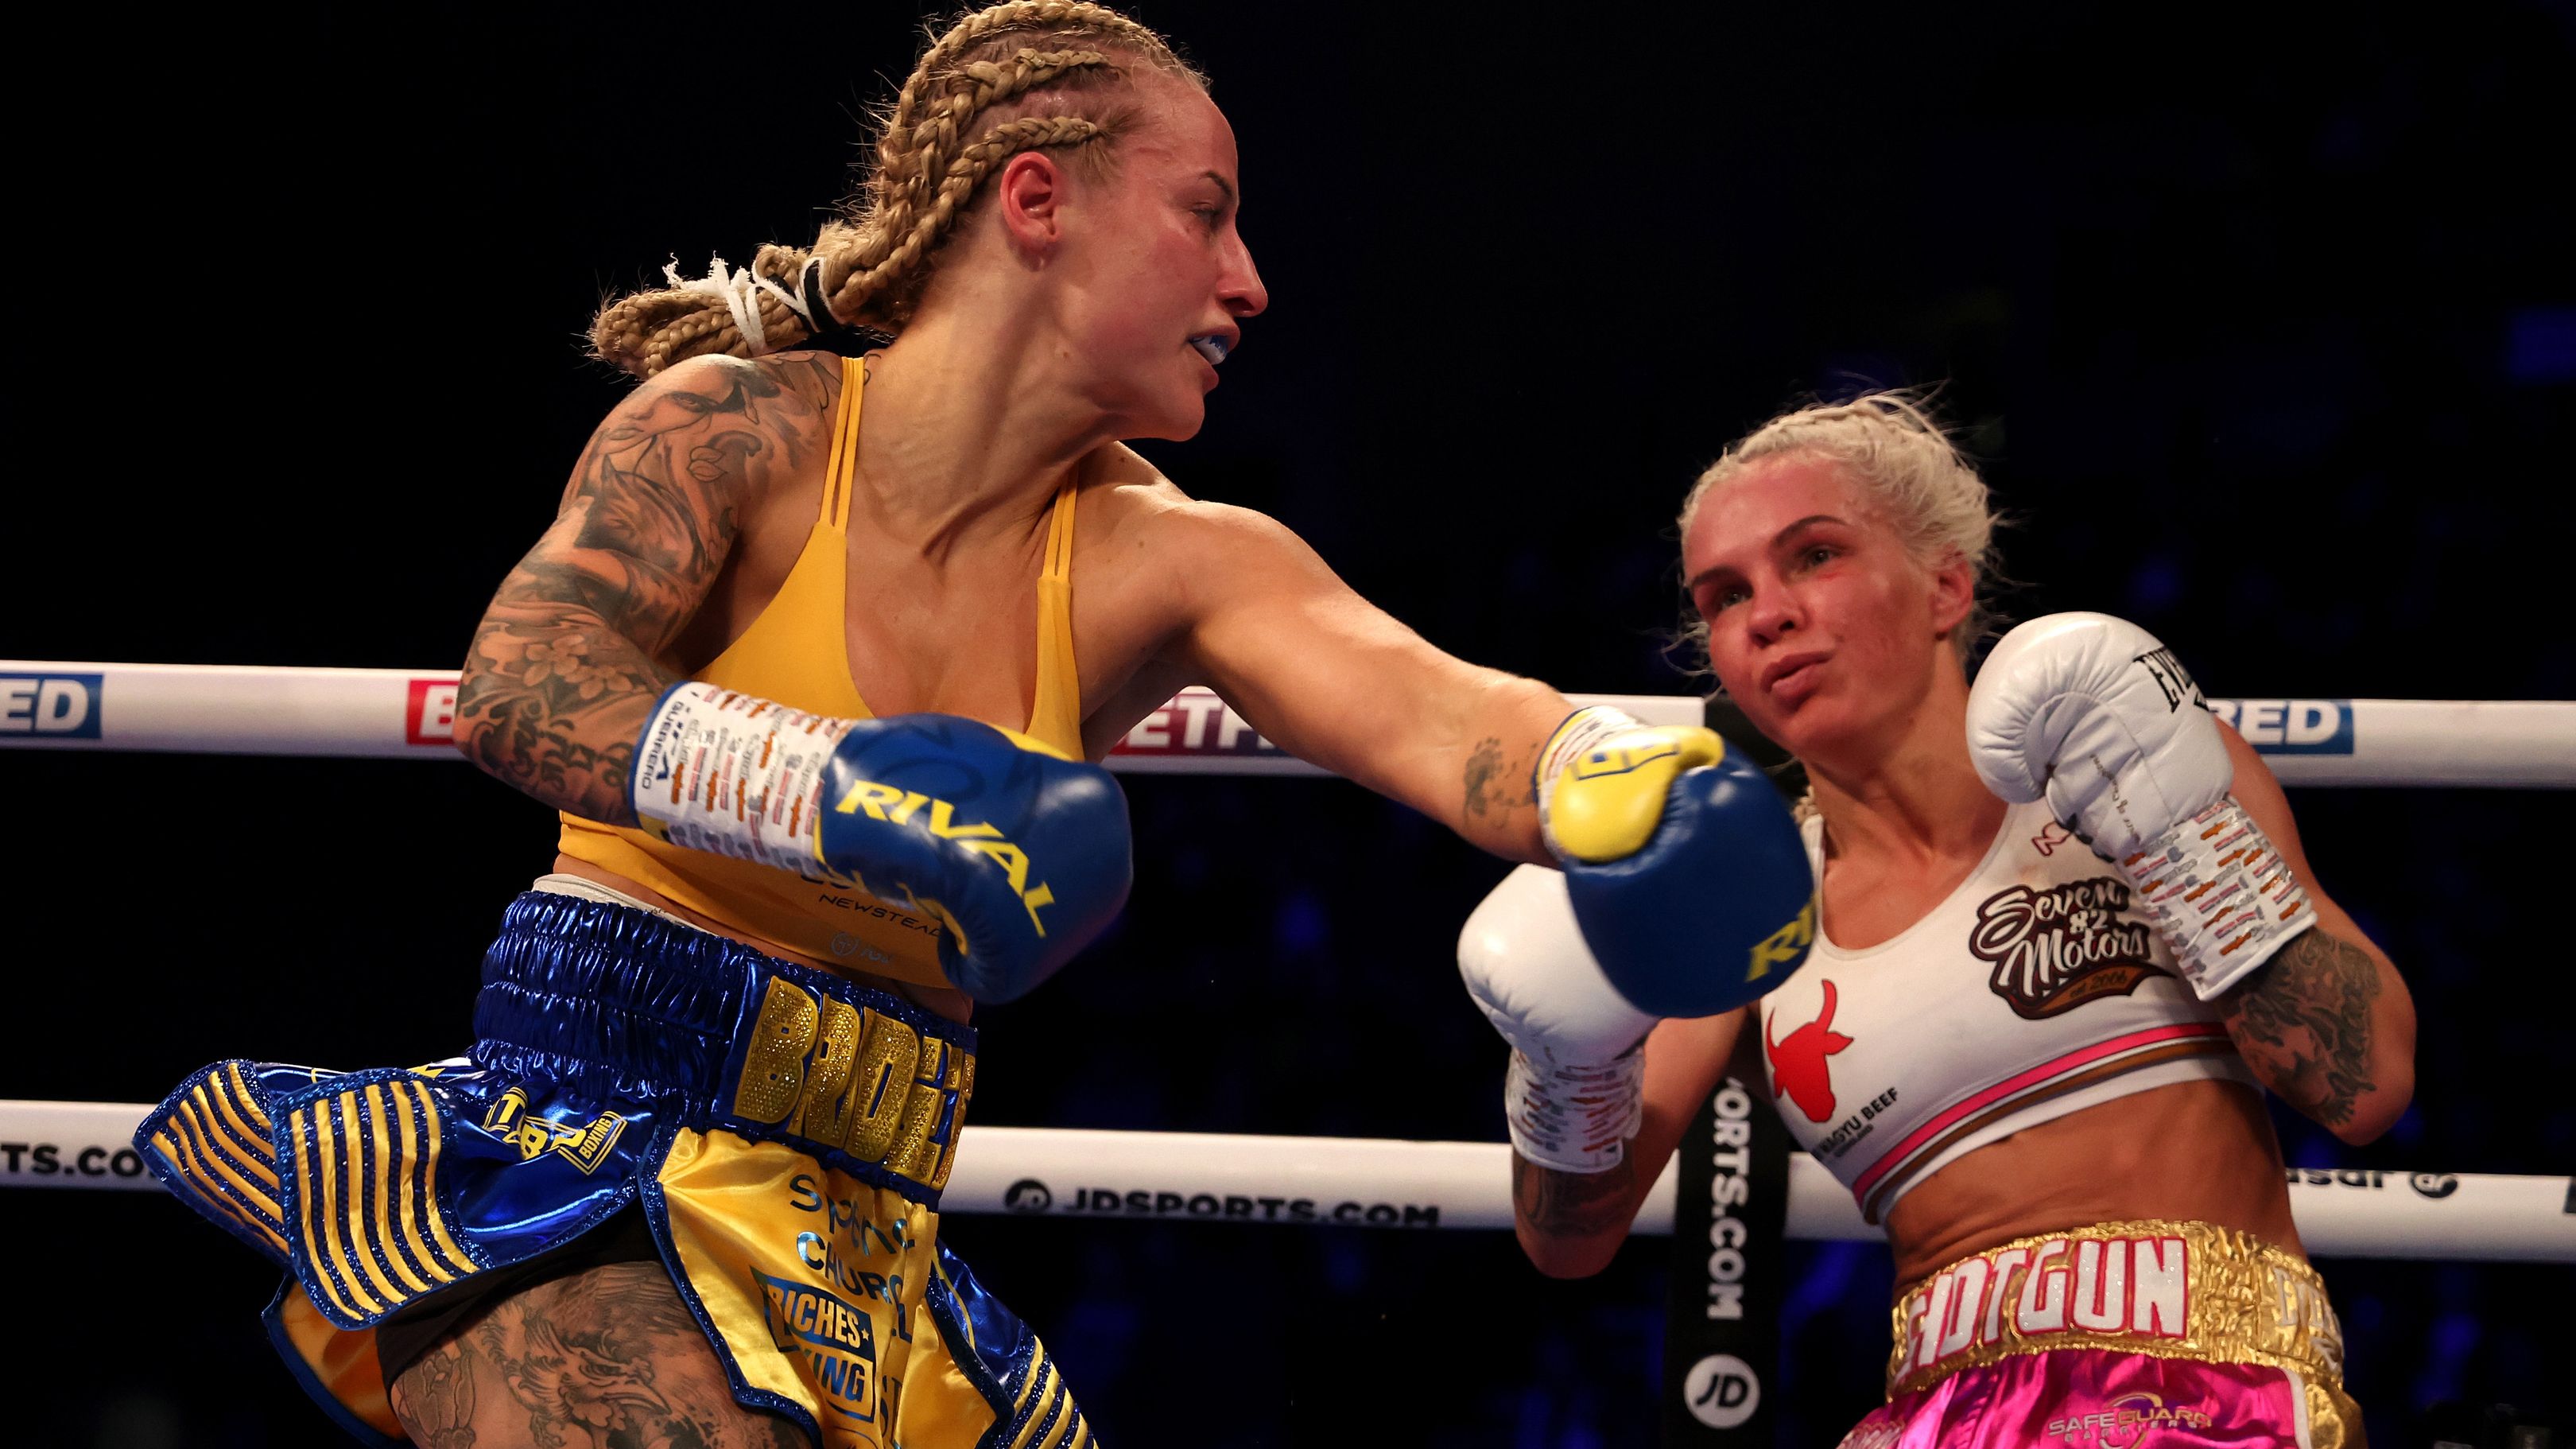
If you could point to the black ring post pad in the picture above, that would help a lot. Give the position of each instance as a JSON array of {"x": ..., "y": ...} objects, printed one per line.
[{"x": 1728, "y": 1274}]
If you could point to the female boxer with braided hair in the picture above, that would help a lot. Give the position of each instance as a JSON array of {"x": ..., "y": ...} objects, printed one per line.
[
  {"x": 2066, "y": 935},
  {"x": 823, "y": 787}
]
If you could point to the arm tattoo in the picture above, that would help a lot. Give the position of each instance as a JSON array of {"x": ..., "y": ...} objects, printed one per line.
[
  {"x": 1494, "y": 788},
  {"x": 1572, "y": 1204},
  {"x": 565, "y": 664},
  {"x": 2302, "y": 1023},
  {"x": 1482, "y": 763}
]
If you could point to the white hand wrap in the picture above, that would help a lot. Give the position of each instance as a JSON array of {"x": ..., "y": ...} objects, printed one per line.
[
  {"x": 2222, "y": 897},
  {"x": 725, "y": 772},
  {"x": 1574, "y": 1091},
  {"x": 1575, "y": 1116}
]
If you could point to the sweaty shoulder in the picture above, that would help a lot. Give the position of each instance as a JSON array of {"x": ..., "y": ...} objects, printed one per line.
[
  {"x": 1153, "y": 565},
  {"x": 1149, "y": 516}
]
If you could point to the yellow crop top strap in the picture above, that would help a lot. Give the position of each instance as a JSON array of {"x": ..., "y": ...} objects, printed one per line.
[
  {"x": 845, "y": 447},
  {"x": 1055, "y": 715},
  {"x": 797, "y": 650}
]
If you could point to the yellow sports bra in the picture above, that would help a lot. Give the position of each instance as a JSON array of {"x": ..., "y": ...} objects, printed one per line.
[{"x": 797, "y": 652}]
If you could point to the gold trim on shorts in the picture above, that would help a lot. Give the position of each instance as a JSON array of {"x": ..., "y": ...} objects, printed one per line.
[{"x": 2163, "y": 1288}]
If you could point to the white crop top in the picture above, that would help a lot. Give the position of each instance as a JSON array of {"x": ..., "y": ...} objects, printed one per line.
[{"x": 2033, "y": 990}]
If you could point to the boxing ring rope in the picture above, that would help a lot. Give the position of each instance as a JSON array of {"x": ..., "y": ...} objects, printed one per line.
[
  {"x": 1367, "y": 1182},
  {"x": 393, "y": 713},
  {"x": 396, "y": 713}
]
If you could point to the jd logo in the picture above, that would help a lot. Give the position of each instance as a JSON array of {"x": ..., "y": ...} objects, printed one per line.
[
  {"x": 1028, "y": 1195},
  {"x": 1722, "y": 1391}
]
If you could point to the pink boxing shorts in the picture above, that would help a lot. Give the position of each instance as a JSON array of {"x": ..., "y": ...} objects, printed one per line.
[{"x": 2126, "y": 1335}]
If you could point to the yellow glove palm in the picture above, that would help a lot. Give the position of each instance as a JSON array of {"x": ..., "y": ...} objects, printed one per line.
[{"x": 1605, "y": 802}]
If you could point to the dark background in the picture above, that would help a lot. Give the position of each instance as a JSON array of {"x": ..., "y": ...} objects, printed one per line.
[{"x": 2260, "y": 318}]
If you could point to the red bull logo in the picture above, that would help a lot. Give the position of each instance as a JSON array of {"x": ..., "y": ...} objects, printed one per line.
[{"x": 1798, "y": 1069}]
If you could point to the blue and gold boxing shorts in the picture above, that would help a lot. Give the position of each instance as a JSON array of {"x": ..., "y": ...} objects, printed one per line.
[{"x": 785, "y": 1133}]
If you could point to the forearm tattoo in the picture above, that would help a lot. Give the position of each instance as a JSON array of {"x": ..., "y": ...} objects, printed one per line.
[
  {"x": 1495, "y": 788},
  {"x": 2302, "y": 1023},
  {"x": 565, "y": 664},
  {"x": 1572, "y": 1204}
]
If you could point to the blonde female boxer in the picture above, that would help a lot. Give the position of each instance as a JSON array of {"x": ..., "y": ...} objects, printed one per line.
[
  {"x": 814, "y": 662},
  {"x": 2067, "y": 935}
]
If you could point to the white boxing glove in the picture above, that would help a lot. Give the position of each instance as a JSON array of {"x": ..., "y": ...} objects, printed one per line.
[
  {"x": 2093, "y": 713},
  {"x": 1573, "y": 1093}
]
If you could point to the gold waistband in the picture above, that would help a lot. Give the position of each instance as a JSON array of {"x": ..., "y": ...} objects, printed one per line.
[
  {"x": 2168, "y": 1289},
  {"x": 835, "y": 1077}
]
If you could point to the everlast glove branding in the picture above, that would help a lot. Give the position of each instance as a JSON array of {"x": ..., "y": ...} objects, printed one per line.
[
  {"x": 2171, "y": 677},
  {"x": 2057, "y": 948}
]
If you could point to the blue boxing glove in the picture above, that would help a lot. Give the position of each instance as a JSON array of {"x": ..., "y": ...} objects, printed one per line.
[
  {"x": 1021, "y": 853},
  {"x": 1685, "y": 870}
]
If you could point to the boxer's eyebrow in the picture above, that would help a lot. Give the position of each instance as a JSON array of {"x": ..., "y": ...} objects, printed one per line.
[
  {"x": 1801, "y": 523},
  {"x": 1713, "y": 570}
]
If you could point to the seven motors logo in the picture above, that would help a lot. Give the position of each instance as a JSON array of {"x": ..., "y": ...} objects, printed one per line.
[{"x": 2056, "y": 947}]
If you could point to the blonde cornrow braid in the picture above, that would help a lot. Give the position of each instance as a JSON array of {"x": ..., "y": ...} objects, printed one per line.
[
  {"x": 873, "y": 264},
  {"x": 1059, "y": 17},
  {"x": 897, "y": 256},
  {"x": 889, "y": 221},
  {"x": 993, "y": 83}
]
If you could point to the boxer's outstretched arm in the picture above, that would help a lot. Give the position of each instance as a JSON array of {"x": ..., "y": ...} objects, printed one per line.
[
  {"x": 565, "y": 664},
  {"x": 2327, "y": 1023},
  {"x": 1336, "y": 681}
]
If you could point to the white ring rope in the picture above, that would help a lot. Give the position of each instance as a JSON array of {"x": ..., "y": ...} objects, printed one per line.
[
  {"x": 1363, "y": 1182},
  {"x": 258, "y": 710}
]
